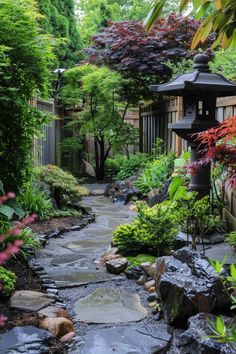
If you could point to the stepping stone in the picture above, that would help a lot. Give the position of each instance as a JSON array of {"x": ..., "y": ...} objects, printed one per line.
[
  {"x": 28, "y": 300},
  {"x": 78, "y": 246},
  {"x": 114, "y": 215},
  {"x": 151, "y": 339},
  {"x": 71, "y": 260},
  {"x": 113, "y": 223},
  {"x": 208, "y": 240},
  {"x": 27, "y": 339},
  {"x": 110, "y": 306},
  {"x": 97, "y": 192},
  {"x": 74, "y": 278},
  {"x": 98, "y": 232},
  {"x": 220, "y": 252}
]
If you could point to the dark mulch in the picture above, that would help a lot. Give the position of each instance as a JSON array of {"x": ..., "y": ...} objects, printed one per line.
[
  {"x": 43, "y": 227},
  {"x": 26, "y": 280}
]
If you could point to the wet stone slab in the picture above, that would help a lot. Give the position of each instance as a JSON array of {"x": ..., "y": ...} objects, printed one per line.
[
  {"x": 220, "y": 252},
  {"x": 78, "y": 246},
  {"x": 110, "y": 306},
  {"x": 98, "y": 232},
  {"x": 27, "y": 300},
  {"x": 113, "y": 223},
  {"x": 71, "y": 260},
  {"x": 28, "y": 339},
  {"x": 151, "y": 339},
  {"x": 72, "y": 278}
]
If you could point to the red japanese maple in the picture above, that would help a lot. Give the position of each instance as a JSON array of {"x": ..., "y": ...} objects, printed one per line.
[{"x": 219, "y": 145}]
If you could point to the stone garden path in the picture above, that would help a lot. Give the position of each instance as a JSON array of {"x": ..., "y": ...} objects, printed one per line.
[{"x": 109, "y": 312}]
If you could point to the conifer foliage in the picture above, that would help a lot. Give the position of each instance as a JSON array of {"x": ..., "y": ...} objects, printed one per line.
[{"x": 60, "y": 21}]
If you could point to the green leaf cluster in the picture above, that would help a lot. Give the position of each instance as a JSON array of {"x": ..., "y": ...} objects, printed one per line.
[
  {"x": 64, "y": 188},
  {"x": 153, "y": 230},
  {"x": 26, "y": 60},
  {"x": 129, "y": 166},
  {"x": 156, "y": 173},
  {"x": 34, "y": 201},
  {"x": 7, "y": 281},
  {"x": 59, "y": 20},
  {"x": 231, "y": 239}
]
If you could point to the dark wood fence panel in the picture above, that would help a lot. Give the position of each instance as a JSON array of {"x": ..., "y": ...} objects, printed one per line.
[
  {"x": 155, "y": 117},
  {"x": 45, "y": 148}
]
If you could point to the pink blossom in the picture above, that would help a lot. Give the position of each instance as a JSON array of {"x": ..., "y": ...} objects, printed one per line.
[
  {"x": 3, "y": 319},
  {"x": 10, "y": 195}
]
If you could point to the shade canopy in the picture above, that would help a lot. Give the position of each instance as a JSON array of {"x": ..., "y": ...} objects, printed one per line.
[{"x": 200, "y": 81}]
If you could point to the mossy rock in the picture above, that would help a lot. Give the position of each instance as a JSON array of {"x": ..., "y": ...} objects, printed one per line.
[{"x": 141, "y": 258}]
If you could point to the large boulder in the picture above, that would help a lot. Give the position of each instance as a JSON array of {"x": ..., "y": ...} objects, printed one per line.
[
  {"x": 196, "y": 339},
  {"x": 123, "y": 190},
  {"x": 87, "y": 169},
  {"x": 187, "y": 284}
]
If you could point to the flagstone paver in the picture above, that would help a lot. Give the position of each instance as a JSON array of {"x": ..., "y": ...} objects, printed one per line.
[
  {"x": 110, "y": 306},
  {"x": 73, "y": 262}
]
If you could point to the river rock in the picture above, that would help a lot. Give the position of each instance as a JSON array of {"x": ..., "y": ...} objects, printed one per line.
[
  {"x": 28, "y": 300},
  {"x": 26, "y": 339},
  {"x": 134, "y": 273},
  {"x": 141, "y": 280},
  {"x": 116, "y": 266},
  {"x": 196, "y": 339},
  {"x": 132, "y": 193},
  {"x": 53, "y": 311},
  {"x": 199, "y": 266},
  {"x": 58, "y": 326},
  {"x": 146, "y": 266},
  {"x": 67, "y": 337},
  {"x": 87, "y": 169},
  {"x": 149, "y": 284}
]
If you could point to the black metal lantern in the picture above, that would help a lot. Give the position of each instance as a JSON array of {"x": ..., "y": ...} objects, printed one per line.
[{"x": 199, "y": 90}]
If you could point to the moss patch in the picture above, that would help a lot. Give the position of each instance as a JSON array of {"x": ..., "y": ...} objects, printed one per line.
[{"x": 141, "y": 258}]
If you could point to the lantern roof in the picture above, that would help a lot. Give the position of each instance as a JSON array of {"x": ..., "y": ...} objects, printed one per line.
[{"x": 200, "y": 81}]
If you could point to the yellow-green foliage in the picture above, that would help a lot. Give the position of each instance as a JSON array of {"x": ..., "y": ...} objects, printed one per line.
[
  {"x": 64, "y": 187},
  {"x": 7, "y": 281},
  {"x": 153, "y": 230}
]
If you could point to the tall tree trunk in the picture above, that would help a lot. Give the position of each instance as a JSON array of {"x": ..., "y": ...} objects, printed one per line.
[{"x": 96, "y": 142}]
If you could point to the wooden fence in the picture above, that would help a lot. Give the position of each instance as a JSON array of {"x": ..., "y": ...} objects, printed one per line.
[
  {"x": 154, "y": 120},
  {"x": 45, "y": 148}
]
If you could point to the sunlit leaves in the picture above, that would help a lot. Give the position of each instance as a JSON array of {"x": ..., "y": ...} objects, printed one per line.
[{"x": 220, "y": 21}]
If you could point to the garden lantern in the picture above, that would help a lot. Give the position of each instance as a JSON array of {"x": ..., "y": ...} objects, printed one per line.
[{"x": 199, "y": 90}]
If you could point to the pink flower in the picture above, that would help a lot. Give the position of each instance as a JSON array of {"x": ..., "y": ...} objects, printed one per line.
[
  {"x": 3, "y": 319},
  {"x": 10, "y": 195}
]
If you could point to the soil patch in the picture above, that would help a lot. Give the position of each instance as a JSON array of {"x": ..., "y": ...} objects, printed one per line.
[
  {"x": 26, "y": 280},
  {"x": 44, "y": 227}
]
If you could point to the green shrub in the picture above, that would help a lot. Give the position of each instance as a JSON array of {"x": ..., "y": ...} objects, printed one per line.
[
  {"x": 153, "y": 230},
  {"x": 7, "y": 281},
  {"x": 113, "y": 165},
  {"x": 128, "y": 167},
  {"x": 63, "y": 186},
  {"x": 65, "y": 213},
  {"x": 34, "y": 201},
  {"x": 156, "y": 173},
  {"x": 231, "y": 239}
]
